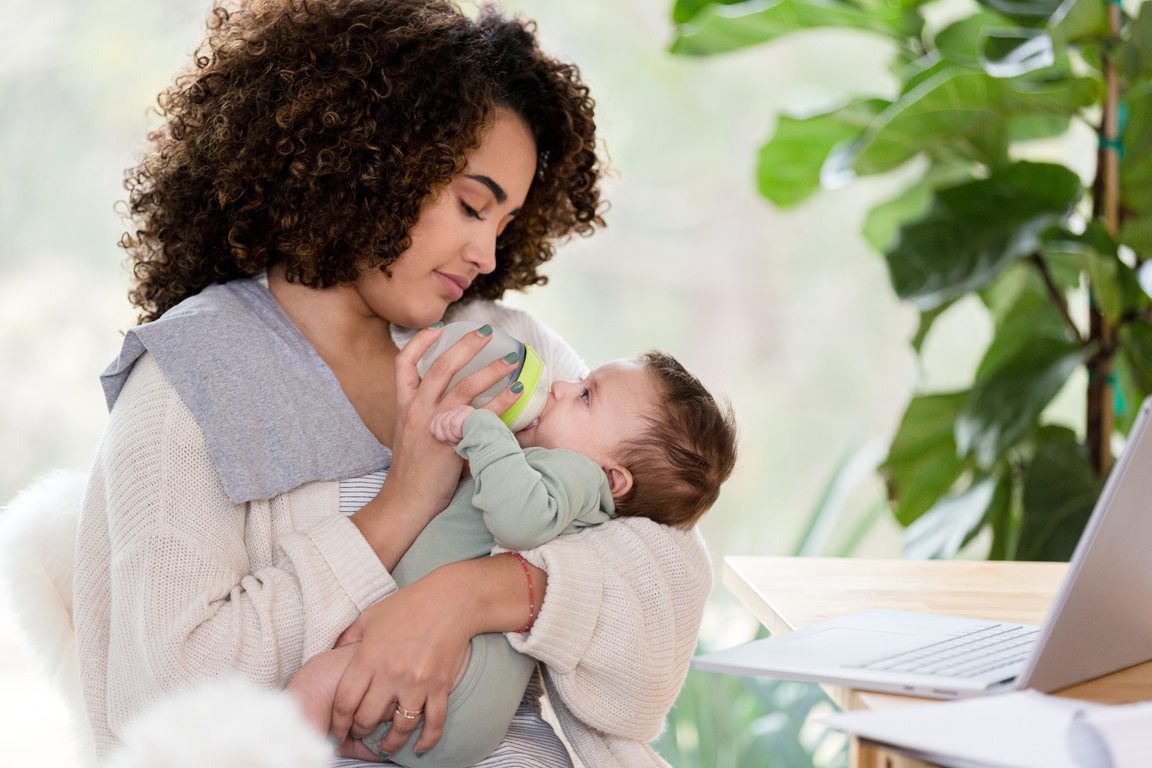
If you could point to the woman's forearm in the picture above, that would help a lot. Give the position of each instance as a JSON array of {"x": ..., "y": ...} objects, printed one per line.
[
  {"x": 493, "y": 592},
  {"x": 390, "y": 525}
]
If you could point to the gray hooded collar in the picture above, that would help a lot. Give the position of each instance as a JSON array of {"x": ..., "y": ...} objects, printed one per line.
[{"x": 272, "y": 411}]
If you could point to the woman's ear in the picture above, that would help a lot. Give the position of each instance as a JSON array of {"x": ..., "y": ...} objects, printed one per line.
[{"x": 619, "y": 478}]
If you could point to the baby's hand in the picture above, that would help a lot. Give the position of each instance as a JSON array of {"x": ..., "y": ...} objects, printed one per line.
[{"x": 448, "y": 427}]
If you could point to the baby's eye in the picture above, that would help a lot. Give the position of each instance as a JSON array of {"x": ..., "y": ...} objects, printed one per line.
[{"x": 584, "y": 395}]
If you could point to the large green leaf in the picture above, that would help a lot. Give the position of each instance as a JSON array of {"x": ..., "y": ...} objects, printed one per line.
[
  {"x": 1136, "y": 233},
  {"x": 951, "y": 523},
  {"x": 1059, "y": 492},
  {"x": 922, "y": 465},
  {"x": 927, "y": 320},
  {"x": 790, "y": 163},
  {"x": 1015, "y": 52},
  {"x": 974, "y": 230},
  {"x": 685, "y": 10},
  {"x": 943, "y": 114},
  {"x": 962, "y": 41},
  {"x": 1008, "y": 403},
  {"x": 719, "y": 29},
  {"x": 1004, "y": 515},
  {"x": 1028, "y": 12},
  {"x": 1133, "y": 363},
  {"x": 1023, "y": 312},
  {"x": 1077, "y": 21},
  {"x": 1027, "y": 127},
  {"x": 1115, "y": 288},
  {"x": 882, "y": 224},
  {"x": 1134, "y": 54}
]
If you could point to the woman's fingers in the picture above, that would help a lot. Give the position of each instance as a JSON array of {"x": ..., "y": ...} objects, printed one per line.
[
  {"x": 435, "y": 711},
  {"x": 405, "y": 719},
  {"x": 349, "y": 693},
  {"x": 506, "y": 399},
  {"x": 470, "y": 387},
  {"x": 449, "y": 363},
  {"x": 407, "y": 380}
]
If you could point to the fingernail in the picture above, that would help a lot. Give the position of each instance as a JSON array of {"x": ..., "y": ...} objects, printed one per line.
[
  {"x": 384, "y": 755},
  {"x": 335, "y": 741},
  {"x": 511, "y": 357},
  {"x": 518, "y": 387},
  {"x": 434, "y": 326},
  {"x": 484, "y": 330},
  {"x": 420, "y": 753}
]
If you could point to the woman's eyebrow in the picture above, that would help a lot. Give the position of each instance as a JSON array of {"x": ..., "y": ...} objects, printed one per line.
[{"x": 497, "y": 190}]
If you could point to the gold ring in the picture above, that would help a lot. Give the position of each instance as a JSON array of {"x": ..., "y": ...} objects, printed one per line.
[{"x": 410, "y": 714}]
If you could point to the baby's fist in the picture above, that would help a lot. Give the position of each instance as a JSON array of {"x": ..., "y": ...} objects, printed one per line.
[{"x": 448, "y": 427}]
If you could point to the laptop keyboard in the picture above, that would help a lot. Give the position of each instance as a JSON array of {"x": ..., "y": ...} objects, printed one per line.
[{"x": 967, "y": 655}]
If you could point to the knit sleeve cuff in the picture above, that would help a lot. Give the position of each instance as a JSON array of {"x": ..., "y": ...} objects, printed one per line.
[
  {"x": 569, "y": 617},
  {"x": 353, "y": 562}
]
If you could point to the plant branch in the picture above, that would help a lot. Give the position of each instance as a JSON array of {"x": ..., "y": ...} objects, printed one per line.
[
  {"x": 1055, "y": 293},
  {"x": 1101, "y": 416}
]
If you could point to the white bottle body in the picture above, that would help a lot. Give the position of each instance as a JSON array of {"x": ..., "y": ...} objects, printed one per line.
[{"x": 530, "y": 371}]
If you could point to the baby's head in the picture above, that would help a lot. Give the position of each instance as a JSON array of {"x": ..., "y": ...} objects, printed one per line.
[{"x": 664, "y": 442}]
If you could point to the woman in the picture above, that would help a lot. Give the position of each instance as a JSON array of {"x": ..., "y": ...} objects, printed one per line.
[{"x": 330, "y": 174}]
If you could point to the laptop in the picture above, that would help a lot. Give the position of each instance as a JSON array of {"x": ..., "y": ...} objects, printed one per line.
[{"x": 1100, "y": 621}]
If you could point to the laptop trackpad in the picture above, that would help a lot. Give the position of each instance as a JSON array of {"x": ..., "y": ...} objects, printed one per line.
[{"x": 847, "y": 645}]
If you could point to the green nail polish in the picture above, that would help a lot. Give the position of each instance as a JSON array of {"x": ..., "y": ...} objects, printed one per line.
[
  {"x": 434, "y": 326},
  {"x": 384, "y": 755},
  {"x": 420, "y": 753},
  {"x": 484, "y": 330},
  {"x": 511, "y": 357},
  {"x": 335, "y": 741},
  {"x": 518, "y": 387}
]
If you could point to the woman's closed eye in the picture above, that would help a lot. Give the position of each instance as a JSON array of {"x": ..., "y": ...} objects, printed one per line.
[{"x": 470, "y": 211}]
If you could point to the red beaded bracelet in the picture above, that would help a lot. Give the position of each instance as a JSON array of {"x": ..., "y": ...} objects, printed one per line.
[{"x": 531, "y": 594}]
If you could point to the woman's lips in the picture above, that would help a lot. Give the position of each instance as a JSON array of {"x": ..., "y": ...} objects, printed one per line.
[{"x": 455, "y": 284}]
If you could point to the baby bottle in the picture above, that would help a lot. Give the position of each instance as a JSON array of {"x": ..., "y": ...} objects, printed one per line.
[{"x": 530, "y": 372}]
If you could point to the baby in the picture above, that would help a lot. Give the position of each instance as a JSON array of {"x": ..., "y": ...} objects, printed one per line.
[{"x": 639, "y": 437}]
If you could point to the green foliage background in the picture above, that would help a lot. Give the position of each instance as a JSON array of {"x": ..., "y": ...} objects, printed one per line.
[{"x": 1064, "y": 279}]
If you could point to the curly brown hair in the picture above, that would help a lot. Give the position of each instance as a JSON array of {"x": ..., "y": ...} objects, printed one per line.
[{"x": 310, "y": 132}]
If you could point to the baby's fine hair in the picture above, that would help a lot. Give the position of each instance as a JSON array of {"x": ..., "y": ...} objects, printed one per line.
[{"x": 685, "y": 452}]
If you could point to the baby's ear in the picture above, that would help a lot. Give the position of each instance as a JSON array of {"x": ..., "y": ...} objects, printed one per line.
[{"x": 619, "y": 479}]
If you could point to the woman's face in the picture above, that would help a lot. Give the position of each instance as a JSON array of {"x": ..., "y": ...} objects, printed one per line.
[{"x": 454, "y": 240}]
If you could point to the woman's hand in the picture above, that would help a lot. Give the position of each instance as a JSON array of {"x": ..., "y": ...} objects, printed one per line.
[
  {"x": 425, "y": 471},
  {"x": 412, "y": 645}
]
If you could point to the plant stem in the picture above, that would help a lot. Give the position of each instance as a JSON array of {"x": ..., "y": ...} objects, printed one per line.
[
  {"x": 1055, "y": 293},
  {"x": 1106, "y": 205}
]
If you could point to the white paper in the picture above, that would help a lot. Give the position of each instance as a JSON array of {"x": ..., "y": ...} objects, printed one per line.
[
  {"x": 1024, "y": 729},
  {"x": 1112, "y": 737}
]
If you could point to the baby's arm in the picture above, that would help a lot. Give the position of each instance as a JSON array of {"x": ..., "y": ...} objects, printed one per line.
[{"x": 529, "y": 496}]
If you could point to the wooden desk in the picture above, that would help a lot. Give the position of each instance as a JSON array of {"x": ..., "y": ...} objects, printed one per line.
[{"x": 787, "y": 593}]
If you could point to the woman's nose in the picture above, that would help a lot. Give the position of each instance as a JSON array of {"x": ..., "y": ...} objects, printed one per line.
[{"x": 481, "y": 253}]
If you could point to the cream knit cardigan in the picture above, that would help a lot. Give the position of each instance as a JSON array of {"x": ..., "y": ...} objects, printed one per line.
[{"x": 176, "y": 584}]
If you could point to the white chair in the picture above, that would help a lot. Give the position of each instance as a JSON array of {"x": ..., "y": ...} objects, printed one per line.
[{"x": 37, "y": 554}]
